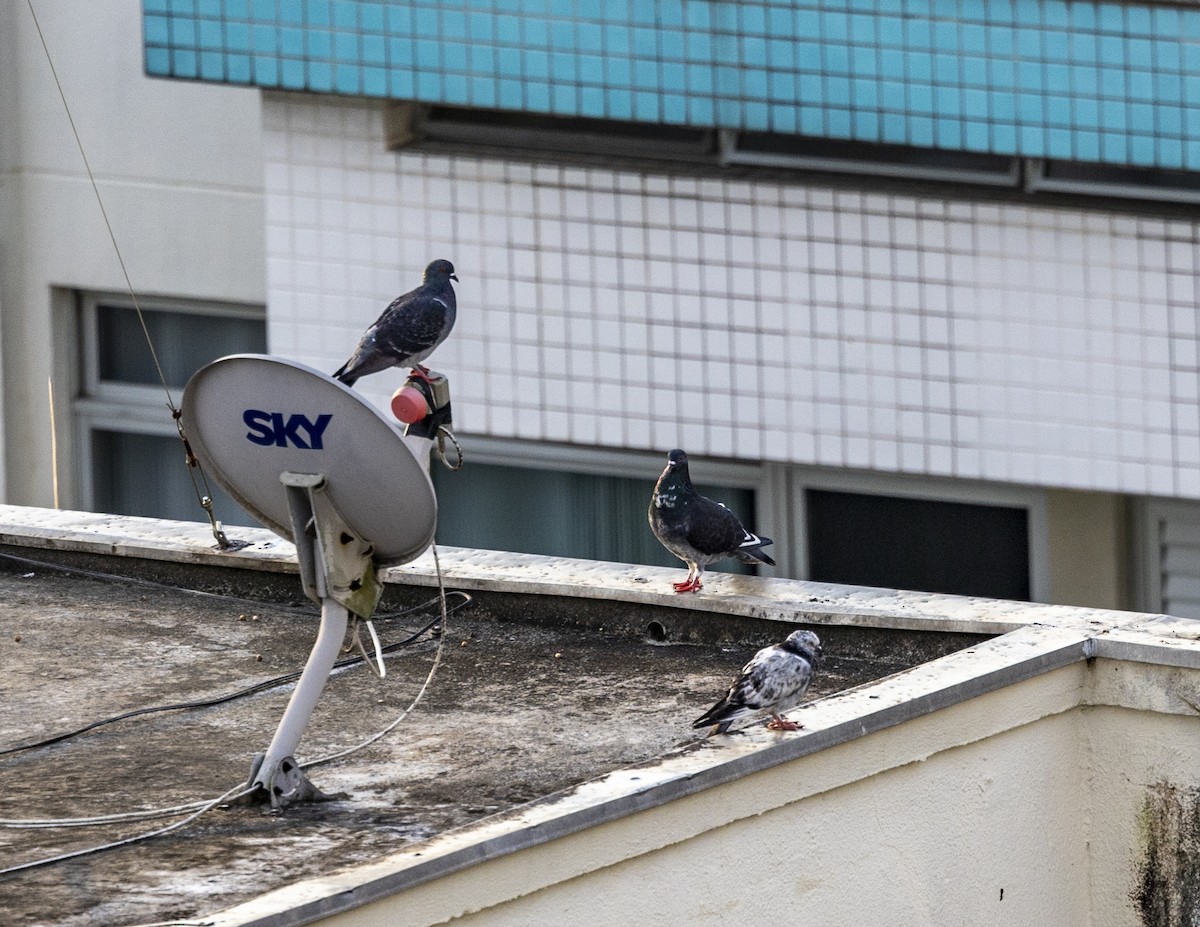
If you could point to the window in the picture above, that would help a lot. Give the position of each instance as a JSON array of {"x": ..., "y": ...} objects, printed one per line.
[
  {"x": 1167, "y": 566},
  {"x": 1137, "y": 183},
  {"x": 891, "y": 532},
  {"x": 897, "y": 531},
  {"x": 920, "y": 544},
  {"x": 775, "y": 150},
  {"x": 131, "y": 461},
  {"x": 570, "y": 509},
  {"x": 529, "y": 135}
]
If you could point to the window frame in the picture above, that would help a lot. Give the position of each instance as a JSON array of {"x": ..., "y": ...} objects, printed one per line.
[
  {"x": 764, "y": 479},
  {"x": 108, "y": 405},
  {"x": 1150, "y": 515},
  {"x": 932, "y": 489},
  {"x": 780, "y": 487}
]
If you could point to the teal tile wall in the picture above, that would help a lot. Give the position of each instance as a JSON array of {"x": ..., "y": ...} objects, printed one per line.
[{"x": 1101, "y": 82}]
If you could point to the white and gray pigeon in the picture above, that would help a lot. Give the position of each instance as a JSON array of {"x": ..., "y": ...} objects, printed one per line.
[
  {"x": 696, "y": 529},
  {"x": 409, "y": 328},
  {"x": 774, "y": 681}
]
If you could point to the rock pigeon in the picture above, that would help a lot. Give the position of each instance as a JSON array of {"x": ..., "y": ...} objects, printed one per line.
[
  {"x": 408, "y": 330},
  {"x": 696, "y": 529},
  {"x": 774, "y": 681}
]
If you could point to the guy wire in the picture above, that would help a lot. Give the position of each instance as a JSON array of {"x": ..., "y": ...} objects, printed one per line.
[{"x": 193, "y": 463}]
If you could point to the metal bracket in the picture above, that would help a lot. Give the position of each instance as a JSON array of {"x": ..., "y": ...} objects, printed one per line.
[
  {"x": 337, "y": 572},
  {"x": 339, "y": 565}
]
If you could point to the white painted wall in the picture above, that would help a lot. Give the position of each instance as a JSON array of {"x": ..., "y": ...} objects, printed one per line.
[
  {"x": 1033, "y": 345},
  {"x": 1037, "y": 789},
  {"x": 928, "y": 843},
  {"x": 179, "y": 167}
]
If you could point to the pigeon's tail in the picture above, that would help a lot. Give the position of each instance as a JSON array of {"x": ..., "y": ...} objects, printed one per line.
[
  {"x": 348, "y": 378},
  {"x": 752, "y": 551},
  {"x": 719, "y": 715}
]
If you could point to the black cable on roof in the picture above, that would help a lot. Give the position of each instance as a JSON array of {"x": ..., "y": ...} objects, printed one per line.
[{"x": 252, "y": 689}]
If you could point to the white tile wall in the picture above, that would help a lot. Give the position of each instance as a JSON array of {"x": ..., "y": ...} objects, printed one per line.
[{"x": 750, "y": 320}]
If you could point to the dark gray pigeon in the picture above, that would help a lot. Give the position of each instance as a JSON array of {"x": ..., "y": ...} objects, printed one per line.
[
  {"x": 696, "y": 529},
  {"x": 774, "y": 681},
  {"x": 408, "y": 330}
]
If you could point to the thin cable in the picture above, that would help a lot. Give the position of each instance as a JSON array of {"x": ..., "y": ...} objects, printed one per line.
[
  {"x": 205, "y": 498},
  {"x": 241, "y": 790},
  {"x": 202, "y": 593},
  {"x": 231, "y": 795},
  {"x": 54, "y": 823},
  {"x": 252, "y": 689},
  {"x": 437, "y": 659},
  {"x": 130, "y": 816},
  {"x": 103, "y": 819},
  {"x": 99, "y": 200},
  {"x": 53, "y": 440}
]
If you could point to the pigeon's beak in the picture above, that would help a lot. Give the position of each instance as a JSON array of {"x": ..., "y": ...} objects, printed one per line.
[{"x": 454, "y": 277}]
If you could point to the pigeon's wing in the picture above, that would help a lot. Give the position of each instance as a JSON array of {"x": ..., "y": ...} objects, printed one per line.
[
  {"x": 366, "y": 359},
  {"x": 787, "y": 681},
  {"x": 412, "y": 326},
  {"x": 405, "y": 333},
  {"x": 773, "y": 679},
  {"x": 715, "y": 531}
]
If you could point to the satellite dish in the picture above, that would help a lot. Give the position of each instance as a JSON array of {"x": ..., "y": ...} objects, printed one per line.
[
  {"x": 252, "y": 417},
  {"x": 316, "y": 463}
]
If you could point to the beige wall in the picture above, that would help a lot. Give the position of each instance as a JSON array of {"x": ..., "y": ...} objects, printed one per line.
[
  {"x": 1036, "y": 789},
  {"x": 1089, "y": 557},
  {"x": 923, "y": 823},
  {"x": 925, "y": 843},
  {"x": 180, "y": 169},
  {"x": 1141, "y": 737}
]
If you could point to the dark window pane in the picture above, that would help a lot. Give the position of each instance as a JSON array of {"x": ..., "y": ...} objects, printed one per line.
[
  {"x": 561, "y": 514},
  {"x": 136, "y": 474},
  {"x": 929, "y": 546},
  {"x": 184, "y": 342}
]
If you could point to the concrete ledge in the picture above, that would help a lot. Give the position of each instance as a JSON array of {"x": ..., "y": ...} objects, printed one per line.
[{"x": 783, "y": 600}]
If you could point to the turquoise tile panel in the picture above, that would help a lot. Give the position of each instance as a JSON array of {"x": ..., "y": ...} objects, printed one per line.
[
  {"x": 1092, "y": 81},
  {"x": 239, "y": 68},
  {"x": 156, "y": 30},
  {"x": 291, "y": 74}
]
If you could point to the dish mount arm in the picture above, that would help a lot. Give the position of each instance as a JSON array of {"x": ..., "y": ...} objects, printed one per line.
[{"x": 337, "y": 573}]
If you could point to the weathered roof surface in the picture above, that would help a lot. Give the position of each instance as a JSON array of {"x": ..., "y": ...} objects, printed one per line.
[
  {"x": 563, "y": 699},
  {"x": 518, "y": 710}
]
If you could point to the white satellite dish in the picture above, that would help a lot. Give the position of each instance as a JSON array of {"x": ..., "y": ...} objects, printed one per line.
[
  {"x": 319, "y": 465},
  {"x": 251, "y": 417}
]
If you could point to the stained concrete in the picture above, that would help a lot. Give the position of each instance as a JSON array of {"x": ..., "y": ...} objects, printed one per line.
[
  {"x": 561, "y": 712},
  {"x": 529, "y": 699}
]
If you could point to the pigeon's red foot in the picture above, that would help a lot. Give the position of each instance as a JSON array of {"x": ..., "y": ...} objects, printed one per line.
[
  {"x": 782, "y": 724},
  {"x": 419, "y": 372},
  {"x": 688, "y": 585}
]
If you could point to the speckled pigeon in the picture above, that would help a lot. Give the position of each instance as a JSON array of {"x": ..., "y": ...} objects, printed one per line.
[
  {"x": 408, "y": 330},
  {"x": 696, "y": 529},
  {"x": 774, "y": 681}
]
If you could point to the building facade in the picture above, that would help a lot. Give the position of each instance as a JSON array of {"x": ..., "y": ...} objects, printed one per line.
[{"x": 914, "y": 283}]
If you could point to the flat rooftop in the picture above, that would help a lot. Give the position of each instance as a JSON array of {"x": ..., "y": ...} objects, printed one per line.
[{"x": 564, "y": 691}]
